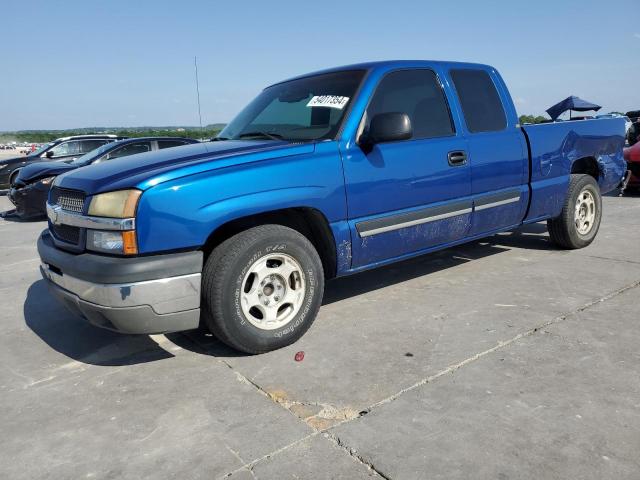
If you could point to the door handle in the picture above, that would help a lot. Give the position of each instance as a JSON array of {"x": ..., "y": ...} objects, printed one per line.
[{"x": 457, "y": 158}]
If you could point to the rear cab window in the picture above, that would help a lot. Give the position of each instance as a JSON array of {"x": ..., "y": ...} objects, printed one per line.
[{"x": 481, "y": 105}]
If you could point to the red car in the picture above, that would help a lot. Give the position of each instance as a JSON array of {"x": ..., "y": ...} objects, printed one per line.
[{"x": 632, "y": 156}]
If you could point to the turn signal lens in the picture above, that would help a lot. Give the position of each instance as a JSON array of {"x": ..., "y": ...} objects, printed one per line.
[{"x": 129, "y": 245}]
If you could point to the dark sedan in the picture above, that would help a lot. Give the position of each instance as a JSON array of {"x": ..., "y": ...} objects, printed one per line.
[
  {"x": 31, "y": 187},
  {"x": 65, "y": 148}
]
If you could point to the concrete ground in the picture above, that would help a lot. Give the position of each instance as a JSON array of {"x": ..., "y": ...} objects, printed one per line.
[
  {"x": 4, "y": 154},
  {"x": 505, "y": 358}
]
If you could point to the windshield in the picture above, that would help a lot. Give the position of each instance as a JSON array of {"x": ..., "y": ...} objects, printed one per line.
[
  {"x": 310, "y": 108},
  {"x": 93, "y": 154}
]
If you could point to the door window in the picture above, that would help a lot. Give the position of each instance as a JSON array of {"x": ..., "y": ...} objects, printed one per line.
[
  {"x": 88, "y": 145},
  {"x": 170, "y": 143},
  {"x": 417, "y": 93},
  {"x": 481, "y": 104},
  {"x": 66, "y": 149},
  {"x": 130, "y": 149}
]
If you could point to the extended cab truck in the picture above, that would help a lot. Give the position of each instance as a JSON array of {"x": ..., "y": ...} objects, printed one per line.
[{"x": 323, "y": 175}]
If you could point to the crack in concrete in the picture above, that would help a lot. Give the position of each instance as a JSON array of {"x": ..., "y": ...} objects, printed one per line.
[
  {"x": 278, "y": 398},
  {"x": 249, "y": 466},
  {"x": 611, "y": 259},
  {"x": 354, "y": 454},
  {"x": 500, "y": 345}
]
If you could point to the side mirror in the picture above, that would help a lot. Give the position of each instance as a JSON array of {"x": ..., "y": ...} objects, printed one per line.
[
  {"x": 49, "y": 154},
  {"x": 388, "y": 127}
]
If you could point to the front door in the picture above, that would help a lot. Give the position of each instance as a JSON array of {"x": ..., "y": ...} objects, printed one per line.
[{"x": 410, "y": 195}]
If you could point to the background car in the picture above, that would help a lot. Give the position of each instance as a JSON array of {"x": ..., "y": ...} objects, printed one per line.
[
  {"x": 627, "y": 121},
  {"x": 632, "y": 157},
  {"x": 634, "y": 132},
  {"x": 30, "y": 189},
  {"x": 65, "y": 148}
]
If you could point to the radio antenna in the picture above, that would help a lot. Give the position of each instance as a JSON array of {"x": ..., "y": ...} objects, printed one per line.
[{"x": 195, "y": 64}]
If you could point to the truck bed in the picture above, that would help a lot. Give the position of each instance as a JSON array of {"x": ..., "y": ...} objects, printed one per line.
[{"x": 554, "y": 147}]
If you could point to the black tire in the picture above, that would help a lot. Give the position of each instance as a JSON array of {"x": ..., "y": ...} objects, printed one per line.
[
  {"x": 563, "y": 229},
  {"x": 222, "y": 282}
]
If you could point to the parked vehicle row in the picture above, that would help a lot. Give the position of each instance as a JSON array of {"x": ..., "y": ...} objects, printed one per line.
[
  {"x": 65, "y": 148},
  {"x": 323, "y": 175},
  {"x": 30, "y": 189}
]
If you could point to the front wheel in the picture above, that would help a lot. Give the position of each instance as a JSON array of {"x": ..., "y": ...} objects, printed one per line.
[
  {"x": 262, "y": 288},
  {"x": 578, "y": 224}
]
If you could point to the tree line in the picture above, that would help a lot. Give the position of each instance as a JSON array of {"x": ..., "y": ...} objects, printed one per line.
[
  {"x": 532, "y": 119},
  {"x": 43, "y": 136}
]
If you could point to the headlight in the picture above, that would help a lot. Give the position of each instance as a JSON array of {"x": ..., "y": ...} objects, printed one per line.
[
  {"x": 117, "y": 242},
  {"x": 47, "y": 181},
  {"x": 2, "y": 165},
  {"x": 119, "y": 204}
]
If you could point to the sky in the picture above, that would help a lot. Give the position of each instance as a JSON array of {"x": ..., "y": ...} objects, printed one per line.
[{"x": 71, "y": 64}]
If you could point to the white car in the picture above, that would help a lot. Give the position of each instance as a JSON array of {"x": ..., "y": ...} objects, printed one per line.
[{"x": 627, "y": 121}]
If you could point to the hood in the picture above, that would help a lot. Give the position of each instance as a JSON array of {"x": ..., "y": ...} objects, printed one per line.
[
  {"x": 36, "y": 171},
  {"x": 20, "y": 159},
  {"x": 146, "y": 170}
]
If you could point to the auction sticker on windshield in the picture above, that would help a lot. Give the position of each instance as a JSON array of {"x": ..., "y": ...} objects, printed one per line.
[{"x": 331, "y": 101}]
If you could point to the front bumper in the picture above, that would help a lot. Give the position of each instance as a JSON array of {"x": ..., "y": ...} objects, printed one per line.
[
  {"x": 30, "y": 200},
  {"x": 157, "y": 294}
]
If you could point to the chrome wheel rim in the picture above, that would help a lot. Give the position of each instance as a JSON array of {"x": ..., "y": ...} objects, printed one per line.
[
  {"x": 585, "y": 213},
  {"x": 273, "y": 290}
]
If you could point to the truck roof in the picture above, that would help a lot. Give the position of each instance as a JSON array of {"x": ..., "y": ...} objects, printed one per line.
[{"x": 392, "y": 64}]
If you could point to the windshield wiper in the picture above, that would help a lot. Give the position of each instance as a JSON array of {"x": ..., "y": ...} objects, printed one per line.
[
  {"x": 219, "y": 139},
  {"x": 271, "y": 136}
]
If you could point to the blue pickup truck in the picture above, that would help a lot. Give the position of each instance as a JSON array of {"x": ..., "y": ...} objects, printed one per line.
[{"x": 322, "y": 175}]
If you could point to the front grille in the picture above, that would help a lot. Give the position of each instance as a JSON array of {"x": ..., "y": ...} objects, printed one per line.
[
  {"x": 66, "y": 233},
  {"x": 70, "y": 200}
]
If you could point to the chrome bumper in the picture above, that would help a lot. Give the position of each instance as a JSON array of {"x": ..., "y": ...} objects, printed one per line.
[
  {"x": 152, "y": 306},
  {"x": 58, "y": 216}
]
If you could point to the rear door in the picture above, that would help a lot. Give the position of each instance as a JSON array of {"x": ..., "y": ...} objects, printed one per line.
[
  {"x": 497, "y": 150},
  {"x": 406, "y": 196}
]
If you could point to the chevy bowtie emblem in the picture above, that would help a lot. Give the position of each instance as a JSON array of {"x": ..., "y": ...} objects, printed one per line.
[{"x": 53, "y": 215}]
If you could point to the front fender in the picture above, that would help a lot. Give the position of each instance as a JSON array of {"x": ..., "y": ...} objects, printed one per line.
[{"x": 182, "y": 213}]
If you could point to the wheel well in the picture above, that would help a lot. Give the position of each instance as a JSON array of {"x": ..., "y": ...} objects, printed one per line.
[
  {"x": 13, "y": 175},
  {"x": 308, "y": 221},
  {"x": 588, "y": 166}
]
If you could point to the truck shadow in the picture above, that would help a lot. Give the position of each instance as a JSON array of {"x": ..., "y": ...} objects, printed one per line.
[
  {"x": 532, "y": 236},
  {"x": 81, "y": 341},
  {"x": 85, "y": 343}
]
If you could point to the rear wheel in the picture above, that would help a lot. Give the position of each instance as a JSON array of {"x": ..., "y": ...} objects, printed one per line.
[
  {"x": 262, "y": 288},
  {"x": 578, "y": 224}
]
